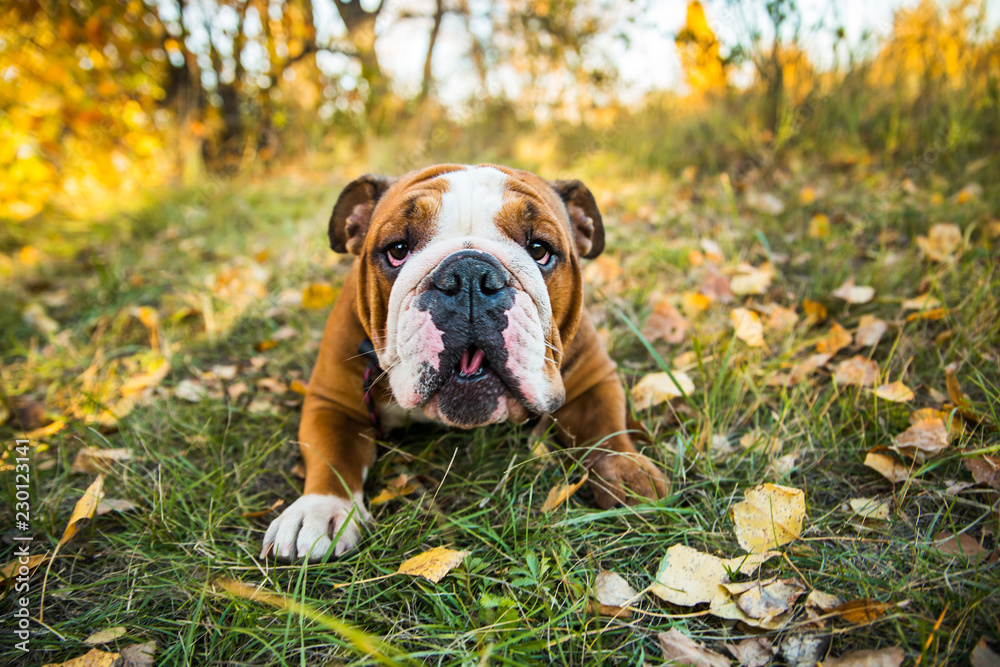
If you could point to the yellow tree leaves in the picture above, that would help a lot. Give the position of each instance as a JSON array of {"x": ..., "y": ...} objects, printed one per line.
[
  {"x": 433, "y": 565},
  {"x": 698, "y": 50},
  {"x": 769, "y": 516},
  {"x": 748, "y": 326}
]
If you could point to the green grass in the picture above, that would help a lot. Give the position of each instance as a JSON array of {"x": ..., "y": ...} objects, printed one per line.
[{"x": 522, "y": 595}]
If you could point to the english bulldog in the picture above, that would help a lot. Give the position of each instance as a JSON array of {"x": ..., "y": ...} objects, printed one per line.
[{"x": 467, "y": 283}]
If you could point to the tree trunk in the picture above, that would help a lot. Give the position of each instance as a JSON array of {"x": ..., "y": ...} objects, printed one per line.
[{"x": 425, "y": 86}]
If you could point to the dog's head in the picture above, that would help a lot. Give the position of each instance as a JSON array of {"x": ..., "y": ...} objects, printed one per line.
[{"x": 469, "y": 285}]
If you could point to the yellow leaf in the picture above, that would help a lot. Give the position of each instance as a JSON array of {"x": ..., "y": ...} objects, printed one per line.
[
  {"x": 256, "y": 514},
  {"x": 16, "y": 566},
  {"x": 815, "y": 311},
  {"x": 105, "y": 636},
  {"x": 752, "y": 280},
  {"x": 942, "y": 242},
  {"x": 807, "y": 195},
  {"x": 94, "y": 658},
  {"x": 819, "y": 226},
  {"x": 870, "y": 331},
  {"x": 688, "y": 577},
  {"x": 657, "y": 388},
  {"x": 922, "y": 302},
  {"x": 769, "y": 516},
  {"x": 836, "y": 340},
  {"x": 857, "y": 371},
  {"x": 860, "y": 611},
  {"x": 925, "y": 439},
  {"x": 433, "y": 565},
  {"x": 780, "y": 318},
  {"x": 871, "y": 508},
  {"x": 749, "y": 328},
  {"x": 895, "y": 392},
  {"x": 299, "y": 387},
  {"x": 852, "y": 293},
  {"x": 561, "y": 493},
  {"x": 666, "y": 323},
  {"x": 887, "y": 466},
  {"x": 932, "y": 314},
  {"x": 90, "y": 460},
  {"x": 695, "y": 303},
  {"x": 611, "y": 590},
  {"x": 318, "y": 295},
  {"x": 85, "y": 508},
  {"x": 883, "y": 657}
]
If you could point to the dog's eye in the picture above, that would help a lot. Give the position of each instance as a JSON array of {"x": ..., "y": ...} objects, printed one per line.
[
  {"x": 398, "y": 252},
  {"x": 540, "y": 251}
]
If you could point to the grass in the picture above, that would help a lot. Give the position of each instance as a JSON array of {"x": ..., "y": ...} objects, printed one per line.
[{"x": 215, "y": 269}]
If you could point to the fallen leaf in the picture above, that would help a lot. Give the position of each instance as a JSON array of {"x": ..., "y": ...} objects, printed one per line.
[
  {"x": 894, "y": 392},
  {"x": 941, "y": 243},
  {"x": 748, "y": 326},
  {"x": 190, "y": 390},
  {"x": 924, "y": 440},
  {"x": 259, "y": 513},
  {"x": 318, "y": 295},
  {"x": 225, "y": 372},
  {"x": 804, "y": 650},
  {"x": 93, "y": 658},
  {"x": 90, "y": 460},
  {"x": 114, "y": 505},
  {"x": 933, "y": 314},
  {"x": 679, "y": 649},
  {"x": 766, "y": 600},
  {"x": 871, "y": 508},
  {"x": 819, "y": 226},
  {"x": 752, "y": 280},
  {"x": 157, "y": 369},
  {"x": 139, "y": 655},
  {"x": 836, "y": 340},
  {"x": 807, "y": 195},
  {"x": 769, "y": 516},
  {"x": 603, "y": 271},
  {"x": 885, "y": 657},
  {"x": 753, "y": 651},
  {"x": 657, "y": 388},
  {"x": 85, "y": 508},
  {"x": 695, "y": 303},
  {"x": 433, "y": 565},
  {"x": 712, "y": 250},
  {"x": 985, "y": 470},
  {"x": 962, "y": 545},
  {"x": 559, "y": 494},
  {"x": 784, "y": 465},
  {"x": 299, "y": 387},
  {"x": 986, "y": 654},
  {"x": 814, "y": 310},
  {"x": 272, "y": 385},
  {"x": 780, "y": 318},
  {"x": 870, "y": 331},
  {"x": 821, "y": 600},
  {"x": 801, "y": 371},
  {"x": 612, "y": 590},
  {"x": 887, "y": 466},
  {"x": 666, "y": 323},
  {"x": 922, "y": 302},
  {"x": 860, "y": 611},
  {"x": 688, "y": 577},
  {"x": 15, "y": 566},
  {"x": 715, "y": 286},
  {"x": 765, "y": 202},
  {"x": 852, "y": 293},
  {"x": 105, "y": 636},
  {"x": 857, "y": 371}
]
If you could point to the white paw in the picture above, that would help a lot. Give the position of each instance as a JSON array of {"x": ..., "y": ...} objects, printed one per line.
[{"x": 311, "y": 524}]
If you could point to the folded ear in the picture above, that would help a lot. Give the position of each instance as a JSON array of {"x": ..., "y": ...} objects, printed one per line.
[
  {"x": 353, "y": 212},
  {"x": 588, "y": 227}
]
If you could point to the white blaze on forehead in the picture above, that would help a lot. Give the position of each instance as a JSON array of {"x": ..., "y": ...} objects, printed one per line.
[{"x": 470, "y": 205}]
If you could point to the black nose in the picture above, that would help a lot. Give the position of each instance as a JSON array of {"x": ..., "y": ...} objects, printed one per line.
[{"x": 475, "y": 279}]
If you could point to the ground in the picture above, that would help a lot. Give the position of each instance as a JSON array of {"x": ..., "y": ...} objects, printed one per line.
[{"x": 231, "y": 286}]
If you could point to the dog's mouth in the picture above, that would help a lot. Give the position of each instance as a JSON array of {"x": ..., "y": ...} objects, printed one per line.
[{"x": 473, "y": 364}]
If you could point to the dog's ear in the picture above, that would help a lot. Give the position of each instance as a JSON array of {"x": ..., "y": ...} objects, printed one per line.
[
  {"x": 588, "y": 226},
  {"x": 353, "y": 212}
]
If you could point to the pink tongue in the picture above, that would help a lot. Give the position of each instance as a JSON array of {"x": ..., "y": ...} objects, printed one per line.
[{"x": 469, "y": 366}]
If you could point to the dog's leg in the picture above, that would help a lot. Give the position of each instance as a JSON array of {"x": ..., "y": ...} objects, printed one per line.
[{"x": 592, "y": 425}]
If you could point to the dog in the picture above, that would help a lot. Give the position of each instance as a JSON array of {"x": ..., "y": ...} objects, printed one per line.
[{"x": 464, "y": 306}]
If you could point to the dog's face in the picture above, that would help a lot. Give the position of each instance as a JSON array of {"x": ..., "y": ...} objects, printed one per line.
[{"x": 469, "y": 285}]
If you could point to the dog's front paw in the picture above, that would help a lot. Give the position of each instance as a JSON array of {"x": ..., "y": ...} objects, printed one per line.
[
  {"x": 311, "y": 524},
  {"x": 626, "y": 478}
]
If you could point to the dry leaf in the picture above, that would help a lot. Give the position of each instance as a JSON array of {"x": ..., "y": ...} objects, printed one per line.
[
  {"x": 666, "y": 323},
  {"x": 766, "y": 600},
  {"x": 924, "y": 440},
  {"x": 765, "y": 202},
  {"x": 611, "y": 590},
  {"x": 852, "y": 293},
  {"x": 715, "y": 286},
  {"x": 190, "y": 390},
  {"x": 259, "y": 513},
  {"x": 139, "y": 655},
  {"x": 857, "y": 371},
  {"x": 815, "y": 311},
  {"x": 941, "y": 243},
  {"x": 94, "y": 658},
  {"x": 561, "y": 493},
  {"x": 895, "y": 392},
  {"x": 318, "y": 295},
  {"x": 752, "y": 280},
  {"x": 694, "y": 303},
  {"x": 748, "y": 326},
  {"x": 433, "y": 565},
  {"x": 105, "y": 636},
  {"x": 681, "y": 650},
  {"x": 836, "y": 340},
  {"x": 114, "y": 505},
  {"x": 14, "y": 567},
  {"x": 962, "y": 545},
  {"x": 804, "y": 650},
  {"x": 753, "y": 651},
  {"x": 822, "y": 601},
  {"x": 769, "y": 516},
  {"x": 922, "y": 302},
  {"x": 272, "y": 385},
  {"x": 688, "y": 577},
  {"x": 871, "y": 508},
  {"x": 870, "y": 331},
  {"x": 819, "y": 226},
  {"x": 780, "y": 318},
  {"x": 801, "y": 371},
  {"x": 985, "y": 470},
  {"x": 987, "y": 652},
  {"x": 807, "y": 195},
  {"x": 886, "y": 657},
  {"x": 860, "y": 611},
  {"x": 90, "y": 460},
  {"x": 933, "y": 314},
  {"x": 227, "y": 372},
  {"x": 657, "y": 388},
  {"x": 299, "y": 387},
  {"x": 85, "y": 508},
  {"x": 712, "y": 250},
  {"x": 887, "y": 466}
]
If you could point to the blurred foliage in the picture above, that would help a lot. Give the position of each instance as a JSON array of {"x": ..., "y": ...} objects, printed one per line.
[{"x": 103, "y": 100}]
